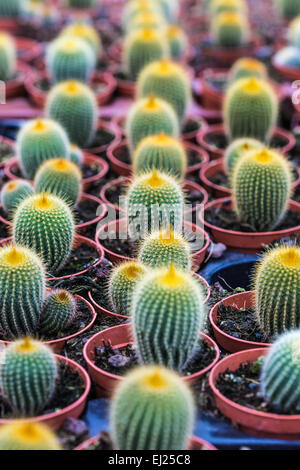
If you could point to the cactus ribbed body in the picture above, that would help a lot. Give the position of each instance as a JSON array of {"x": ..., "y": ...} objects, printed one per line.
[
  {"x": 288, "y": 57},
  {"x": 230, "y": 29},
  {"x": 168, "y": 81},
  {"x": 8, "y": 57},
  {"x": 251, "y": 109},
  {"x": 247, "y": 67},
  {"x": 261, "y": 185},
  {"x": 38, "y": 141},
  {"x": 81, "y": 3},
  {"x": 152, "y": 409},
  {"x": 76, "y": 155},
  {"x": 169, "y": 8},
  {"x": 122, "y": 283},
  {"x": 289, "y": 8},
  {"x": 11, "y": 8},
  {"x": 45, "y": 223},
  {"x": 221, "y": 6},
  {"x": 22, "y": 290},
  {"x": 59, "y": 310},
  {"x": 167, "y": 316},
  {"x": 150, "y": 116},
  {"x": 27, "y": 376},
  {"x": 74, "y": 106},
  {"x": 277, "y": 287},
  {"x": 177, "y": 41},
  {"x": 85, "y": 32},
  {"x": 237, "y": 149},
  {"x": 13, "y": 192},
  {"x": 24, "y": 435}
]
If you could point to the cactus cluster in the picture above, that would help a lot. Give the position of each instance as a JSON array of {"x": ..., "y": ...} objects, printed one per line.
[
  {"x": 13, "y": 192},
  {"x": 58, "y": 312},
  {"x": 8, "y": 57},
  {"x": 24, "y": 435},
  {"x": 177, "y": 41},
  {"x": 247, "y": 67},
  {"x": 289, "y": 8},
  {"x": 230, "y": 29},
  {"x": 237, "y": 149}
]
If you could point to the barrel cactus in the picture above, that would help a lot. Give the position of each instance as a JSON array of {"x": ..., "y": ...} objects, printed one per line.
[
  {"x": 11, "y": 8},
  {"x": 13, "y": 192},
  {"x": 247, "y": 67},
  {"x": 221, "y": 6},
  {"x": 237, "y": 149},
  {"x": 58, "y": 312},
  {"x": 135, "y": 7},
  {"x": 81, "y": 3},
  {"x": 8, "y": 57},
  {"x": 170, "y": 9},
  {"x": 86, "y": 32},
  {"x": 230, "y": 29},
  {"x": 289, "y": 8},
  {"x": 147, "y": 20},
  {"x": 24, "y": 435}
]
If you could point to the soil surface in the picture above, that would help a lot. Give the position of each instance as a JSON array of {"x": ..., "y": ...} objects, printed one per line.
[
  {"x": 82, "y": 256},
  {"x": 6, "y": 152}
]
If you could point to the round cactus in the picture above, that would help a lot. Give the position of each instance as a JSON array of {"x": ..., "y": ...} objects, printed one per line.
[
  {"x": 22, "y": 287},
  {"x": 61, "y": 178},
  {"x": 13, "y": 192},
  {"x": 81, "y": 3},
  {"x": 11, "y": 8},
  {"x": 247, "y": 67},
  {"x": 69, "y": 57},
  {"x": 143, "y": 46},
  {"x": 38, "y": 141},
  {"x": 8, "y": 57},
  {"x": 250, "y": 109},
  {"x": 168, "y": 81},
  {"x": 58, "y": 312},
  {"x": 170, "y": 9},
  {"x": 157, "y": 199},
  {"x": 135, "y": 7},
  {"x": 27, "y": 376},
  {"x": 150, "y": 116},
  {"x": 237, "y": 149},
  {"x": 161, "y": 152},
  {"x": 221, "y": 6},
  {"x": 177, "y": 41},
  {"x": 147, "y": 20},
  {"x": 261, "y": 185},
  {"x": 86, "y": 32},
  {"x": 45, "y": 223},
  {"x": 122, "y": 283},
  {"x": 230, "y": 29},
  {"x": 152, "y": 409},
  {"x": 277, "y": 288},
  {"x": 280, "y": 374},
  {"x": 24, "y": 435},
  {"x": 289, "y": 8},
  {"x": 163, "y": 248},
  {"x": 76, "y": 155}
]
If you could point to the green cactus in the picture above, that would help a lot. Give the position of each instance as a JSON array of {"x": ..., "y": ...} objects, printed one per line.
[
  {"x": 230, "y": 29},
  {"x": 74, "y": 106},
  {"x": 76, "y": 155},
  {"x": 177, "y": 41},
  {"x": 165, "y": 247},
  {"x": 27, "y": 376},
  {"x": 13, "y": 192},
  {"x": 122, "y": 283},
  {"x": 150, "y": 116},
  {"x": 22, "y": 287},
  {"x": 237, "y": 149},
  {"x": 225, "y": 6},
  {"x": 157, "y": 199},
  {"x": 170, "y": 9},
  {"x": 168, "y": 81},
  {"x": 250, "y": 109},
  {"x": 261, "y": 185},
  {"x": 135, "y": 7},
  {"x": 61, "y": 178},
  {"x": 164, "y": 336},
  {"x": 86, "y": 32},
  {"x": 81, "y": 3},
  {"x": 58, "y": 312},
  {"x": 45, "y": 223},
  {"x": 11, "y": 8},
  {"x": 289, "y": 8},
  {"x": 24, "y": 435},
  {"x": 277, "y": 286},
  {"x": 38, "y": 141},
  {"x": 151, "y": 20},
  {"x": 8, "y": 57},
  {"x": 161, "y": 152},
  {"x": 152, "y": 409},
  {"x": 247, "y": 67}
]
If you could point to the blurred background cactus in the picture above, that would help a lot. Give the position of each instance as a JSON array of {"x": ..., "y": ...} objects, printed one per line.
[
  {"x": 58, "y": 312},
  {"x": 230, "y": 29},
  {"x": 8, "y": 57},
  {"x": 13, "y": 192},
  {"x": 27, "y": 435}
]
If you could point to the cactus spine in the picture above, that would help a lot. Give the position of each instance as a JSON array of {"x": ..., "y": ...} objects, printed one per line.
[
  {"x": 58, "y": 313},
  {"x": 230, "y": 29},
  {"x": 24, "y": 435},
  {"x": 13, "y": 192},
  {"x": 237, "y": 149}
]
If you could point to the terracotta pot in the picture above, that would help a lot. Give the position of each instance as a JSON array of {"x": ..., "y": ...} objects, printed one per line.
[
  {"x": 121, "y": 228},
  {"x": 246, "y": 242},
  {"x": 226, "y": 56},
  {"x": 28, "y": 50},
  {"x": 72, "y": 13},
  {"x": 227, "y": 342},
  {"x": 218, "y": 131},
  {"x": 54, "y": 420},
  {"x": 9, "y": 25},
  {"x": 15, "y": 87},
  {"x": 120, "y": 336},
  {"x": 11, "y": 144},
  {"x": 257, "y": 423}
]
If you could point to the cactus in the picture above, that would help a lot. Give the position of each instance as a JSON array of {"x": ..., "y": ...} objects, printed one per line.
[
  {"x": 168, "y": 81},
  {"x": 27, "y": 376},
  {"x": 81, "y": 3},
  {"x": 24, "y": 435},
  {"x": 69, "y": 57},
  {"x": 74, "y": 106},
  {"x": 58, "y": 312},
  {"x": 122, "y": 283},
  {"x": 177, "y": 41},
  {"x": 150, "y": 116},
  {"x": 250, "y": 109},
  {"x": 237, "y": 149},
  {"x": 167, "y": 317},
  {"x": 38, "y": 141},
  {"x": 11, "y": 8},
  {"x": 152, "y": 409},
  {"x": 170, "y": 9},
  {"x": 8, "y": 57},
  {"x": 158, "y": 201},
  {"x": 161, "y": 152},
  {"x": 229, "y": 30},
  {"x": 261, "y": 185},
  {"x": 277, "y": 287},
  {"x": 86, "y": 32},
  {"x": 45, "y": 223},
  {"x": 22, "y": 287},
  {"x": 280, "y": 374},
  {"x": 13, "y": 192},
  {"x": 147, "y": 20},
  {"x": 76, "y": 155},
  {"x": 61, "y": 178},
  {"x": 165, "y": 247},
  {"x": 135, "y": 7},
  {"x": 143, "y": 46},
  {"x": 247, "y": 67},
  {"x": 289, "y": 8},
  {"x": 225, "y": 6}
]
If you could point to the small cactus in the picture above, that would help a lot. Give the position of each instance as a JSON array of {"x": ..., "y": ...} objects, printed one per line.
[
  {"x": 8, "y": 57},
  {"x": 74, "y": 106},
  {"x": 24, "y": 435},
  {"x": 86, "y": 32},
  {"x": 167, "y": 317},
  {"x": 13, "y": 192},
  {"x": 38, "y": 141},
  {"x": 177, "y": 41},
  {"x": 11, "y": 8},
  {"x": 58, "y": 312},
  {"x": 289, "y": 8},
  {"x": 135, "y": 7},
  {"x": 170, "y": 9},
  {"x": 45, "y": 223},
  {"x": 152, "y": 409},
  {"x": 237, "y": 149},
  {"x": 230, "y": 29},
  {"x": 76, "y": 155},
  {"x": 81, "y": 3},
  {"x": 147, "y": 20},
  {"x": 122, "y": 283},
  {"x": 27, "y": 376},
  {"x": 225, "y": 6},
  {"x": 247, "y": 67}
]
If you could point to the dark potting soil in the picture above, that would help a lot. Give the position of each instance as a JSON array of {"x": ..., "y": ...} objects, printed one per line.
[
  {"x": 103, "y": 442},
  {"x": 82, "y": 256},
  {"x": 102, "y": 137},
  {"x": 45, "y": 85},
  {"x": 194, "y": 197},
  {"x": 6, "y": 152},
  {"x": 191, "y": 125},
  {"x": 220, "y": 179},
  {"x": 114, "y": 193},
  {"x": 36, "y": 31},
  {"x": 85, "y": 211},
  {"x": 4, "y": 229},
  {"x": 123, "y": 247}
]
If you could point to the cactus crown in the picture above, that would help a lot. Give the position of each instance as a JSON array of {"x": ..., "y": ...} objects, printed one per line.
[
  {"x": 229, "y": 19},
  {"x": 246, "y": 67},
  {"x": 237, "y": 149},
  {"x": 13, "y": 192},
  {"x": 58, "y": 312},
  {"x": 147, "y": 19},
  {"x": 24, "y": 435},
  {"x": 86, "y": 32}
]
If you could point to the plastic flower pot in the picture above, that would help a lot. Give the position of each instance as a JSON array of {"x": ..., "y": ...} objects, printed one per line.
[
  {"x": 15, "y": 86},
  {"x": 257, "y": 423},
  {"x": 246, "y": 242},
  {"x": 27, "y": 49},
  {"x": 55, "y": 420},
  {"x": 226, "y": 56},
  {"x": 217, "y": 133},
  {"x": 11, "y": 146},
  {"x": 229, "y": 343},
  {"x": 119, "y": 229},
  {"x": 120, "y": 336}
]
